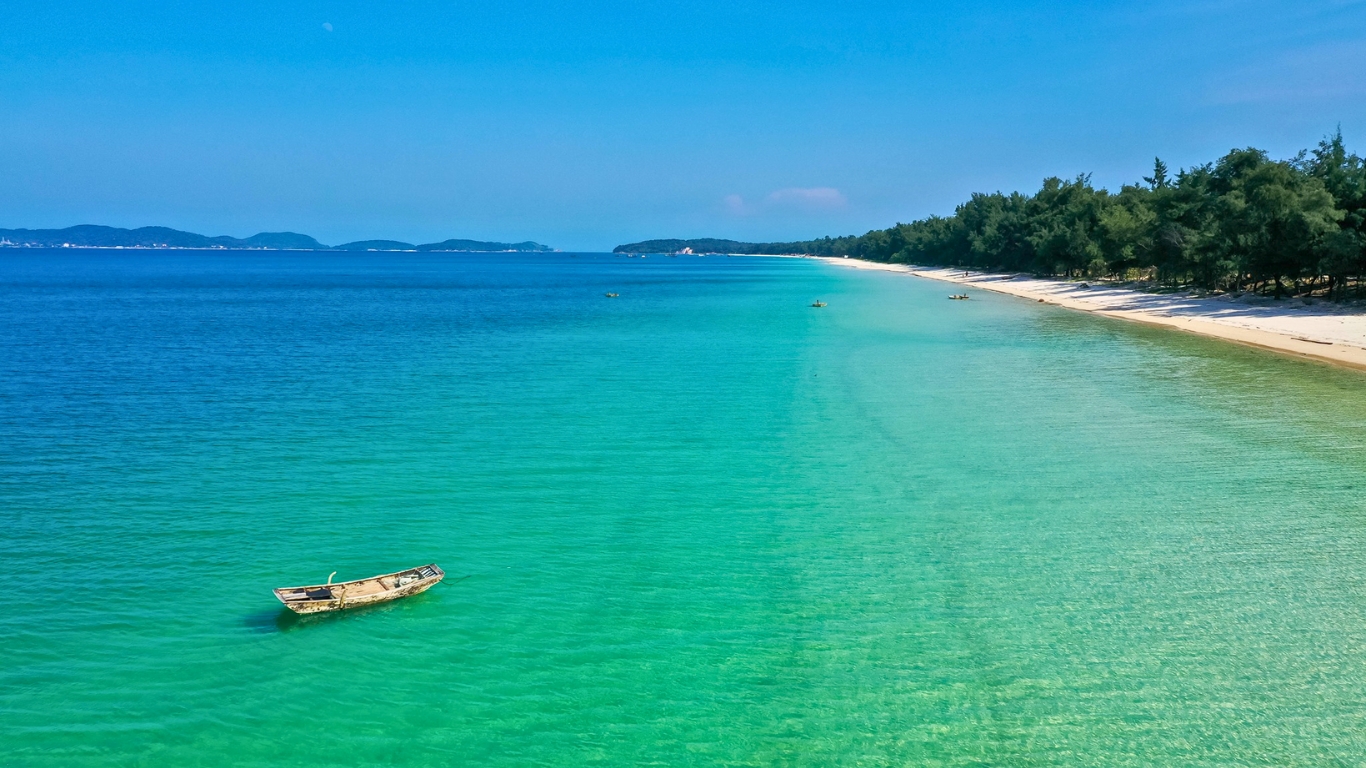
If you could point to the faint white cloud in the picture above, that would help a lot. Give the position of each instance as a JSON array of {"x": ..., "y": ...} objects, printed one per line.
[
  {"x": 809, "y": 199},
  {"x": 327, "y": 25},
  {"x": 1322, "y": 73}
]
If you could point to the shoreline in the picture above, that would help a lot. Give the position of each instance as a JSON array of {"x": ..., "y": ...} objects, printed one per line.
[{"x": 1319, "y": 331}]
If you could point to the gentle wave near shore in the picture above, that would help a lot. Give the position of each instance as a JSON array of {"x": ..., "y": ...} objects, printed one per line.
[{"x": 1321, "y": 331}]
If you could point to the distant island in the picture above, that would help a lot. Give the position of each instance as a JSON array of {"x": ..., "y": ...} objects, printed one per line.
[
  {"x": 1245, "y": 222},
  {"x": 95, "y": 236}
]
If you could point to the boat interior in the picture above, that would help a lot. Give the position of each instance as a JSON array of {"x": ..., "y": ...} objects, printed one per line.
[{"x": 358, "y": 588}]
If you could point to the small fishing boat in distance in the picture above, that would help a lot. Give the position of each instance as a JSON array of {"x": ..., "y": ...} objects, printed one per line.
[
  {"x": 611, "y": 295},
  {"x": 817, "y": 303},
  {"x": 353, "y": 594},
  {"x": 959, "y": 297}
]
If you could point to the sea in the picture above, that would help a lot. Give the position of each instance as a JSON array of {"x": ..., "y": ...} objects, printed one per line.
[{"x": 701, "y": 523}]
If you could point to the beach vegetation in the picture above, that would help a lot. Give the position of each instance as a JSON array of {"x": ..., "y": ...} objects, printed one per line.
[{"x": 1245, "y": 222}]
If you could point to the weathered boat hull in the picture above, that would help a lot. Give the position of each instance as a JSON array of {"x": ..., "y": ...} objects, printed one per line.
[{"x": 321, "y": 598}]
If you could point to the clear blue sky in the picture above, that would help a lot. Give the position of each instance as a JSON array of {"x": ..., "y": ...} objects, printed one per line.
[{"x": 584, "y": 125}]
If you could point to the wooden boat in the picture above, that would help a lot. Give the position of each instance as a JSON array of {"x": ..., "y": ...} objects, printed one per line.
[
  {"x": 817, "y": 303},
  {"x": 959, "y": 296},
  {"x": 353, "y": 594},
  {"x": 611, "y": 295}
]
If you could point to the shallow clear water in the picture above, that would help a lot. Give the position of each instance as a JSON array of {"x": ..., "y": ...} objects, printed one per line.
[{"x": 701, "y": 524}]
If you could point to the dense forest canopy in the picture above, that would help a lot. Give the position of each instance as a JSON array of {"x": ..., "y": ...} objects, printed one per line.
[{"x": 1243, "y": 222}]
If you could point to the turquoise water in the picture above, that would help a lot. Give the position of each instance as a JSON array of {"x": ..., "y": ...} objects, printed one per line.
[{"x": 700, "y": 524}]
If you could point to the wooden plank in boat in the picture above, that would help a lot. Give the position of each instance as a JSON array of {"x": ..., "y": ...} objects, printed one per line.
[{"x": 336, "y": 596}]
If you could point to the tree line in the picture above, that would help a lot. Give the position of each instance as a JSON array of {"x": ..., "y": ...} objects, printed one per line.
[{"x": 1243, "y": 222}]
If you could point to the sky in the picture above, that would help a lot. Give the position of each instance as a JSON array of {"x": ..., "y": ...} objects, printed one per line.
[{"x": 586, "y": 125}]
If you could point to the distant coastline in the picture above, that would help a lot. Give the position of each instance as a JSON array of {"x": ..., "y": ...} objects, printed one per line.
[
  {"x": 1242, "y": 223},
  {"x": 713, "y": 245},
  {"x": 96, "y": 236}
]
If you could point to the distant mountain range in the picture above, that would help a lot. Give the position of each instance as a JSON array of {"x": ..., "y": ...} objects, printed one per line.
[{"x": 94, "y": 236}]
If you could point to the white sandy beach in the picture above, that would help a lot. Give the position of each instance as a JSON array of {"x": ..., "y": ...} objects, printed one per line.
[{"x": 1322, "y": 331}]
